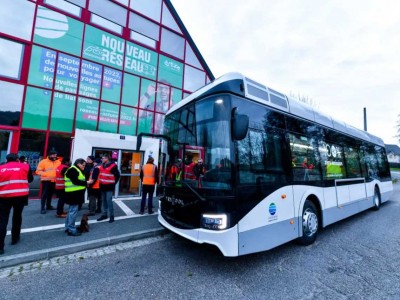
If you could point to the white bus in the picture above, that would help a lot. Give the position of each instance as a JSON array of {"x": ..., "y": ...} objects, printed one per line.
[{"x": 275, "y": 169}]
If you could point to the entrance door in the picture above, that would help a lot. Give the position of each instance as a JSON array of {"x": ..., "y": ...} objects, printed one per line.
[
  {"x": 5, "y": 139},
  {"x": 129, "y": 183},
  {"x": 129, "y": 165}
]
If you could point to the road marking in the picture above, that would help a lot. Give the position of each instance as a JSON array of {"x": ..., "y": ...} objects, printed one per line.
[
  {"x": 124, "y": 207},
  {"x": 56, "y": 226}
]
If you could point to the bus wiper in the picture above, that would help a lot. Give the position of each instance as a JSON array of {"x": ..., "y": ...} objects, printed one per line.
[{"x": 194, "y": 191}]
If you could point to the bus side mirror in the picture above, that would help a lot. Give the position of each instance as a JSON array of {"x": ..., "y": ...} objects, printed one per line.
[{"x": 239, "y": 125}]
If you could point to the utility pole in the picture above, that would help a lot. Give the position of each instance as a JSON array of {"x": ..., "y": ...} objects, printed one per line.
[{"x": 365, "y": 119}]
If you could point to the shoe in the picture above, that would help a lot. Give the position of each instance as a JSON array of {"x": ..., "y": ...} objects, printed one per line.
[
  {"x": 111, "y": 219},
  {"x": 76, "y": 233},
  {"x": 43, "y": 211},
  {"x": 103, "y": 217},
  {"x": 98, "y": 211},
  {"x": 61, "y": 216},
  {"x": 1, "y": 251},
  {"x": 141, "y": 212},
  {"x": 50, "y": 208},
  {"x": 151, "y": 212},
  {"x": 14, "y": 241},
  {"x": 91, "y": 214}
]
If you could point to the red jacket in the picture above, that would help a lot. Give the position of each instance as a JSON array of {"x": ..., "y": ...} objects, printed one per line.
[{"x": 14, "y": 180}]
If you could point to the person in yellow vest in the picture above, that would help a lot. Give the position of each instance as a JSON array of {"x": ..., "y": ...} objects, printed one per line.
[
  {"x": 149, "y": 178},
  {"x": 14, "y": 191},
  {"x": 60, "y": 187},
  {"x": 47, "y": 171},
  {"x": 75, "y": 186},
  {"x": 94, "y": 188}
]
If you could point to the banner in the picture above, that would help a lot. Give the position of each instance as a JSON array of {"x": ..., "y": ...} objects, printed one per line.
[
  {"x": 90, "y": 79},
  {"x": 58, "y": 31},
  {"x": 170, "y": 72},
  {"x": 87, "y": 113},
  {"x": 111, "y": 90},
  {"x": 62, "y": 112},
  {"x": 103, "y": 47},
  {"x": 140, "y": 61}
]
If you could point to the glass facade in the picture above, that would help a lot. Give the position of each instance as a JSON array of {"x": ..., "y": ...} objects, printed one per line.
[{"x": 114, "y": 66}]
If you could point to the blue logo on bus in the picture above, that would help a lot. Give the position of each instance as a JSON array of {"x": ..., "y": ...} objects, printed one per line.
[{"x": 272, "y": 209}]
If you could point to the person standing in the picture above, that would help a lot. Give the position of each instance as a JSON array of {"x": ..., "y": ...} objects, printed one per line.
[
  {"x": 47, "y": 171},
  {"x": 149, "y": 178},
  {"x": 14, "y": 191},
  {"x": 60, "y": 187},
  {"x": 199, "y": 169},
  {"x": 75, "y": 186},
  {"x": 94, "y": 188},
  {"x": 109, "y": 176}
]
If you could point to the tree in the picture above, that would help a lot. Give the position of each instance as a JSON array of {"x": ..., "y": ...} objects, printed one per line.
[{"x": 305, "y": 99}]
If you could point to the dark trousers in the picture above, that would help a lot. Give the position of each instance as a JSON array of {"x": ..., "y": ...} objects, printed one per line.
[
  {"x": 48, "y": 189},
  {"x": 17, "y": 204},
  {"x": 94, "y": 200},
  {"x": 61, "y": 201},
  {"x": 147, "y": 190}
]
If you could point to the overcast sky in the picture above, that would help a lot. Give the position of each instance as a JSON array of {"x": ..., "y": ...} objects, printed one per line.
[{"x": 342, "y": 54}]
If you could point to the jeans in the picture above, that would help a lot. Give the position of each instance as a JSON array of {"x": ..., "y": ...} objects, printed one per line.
[
  {"x": 106, "y": 199},
  {"x": 71, "y": 218},
  {"x": 48, "y": 189},
  {"x": 147, "y": 190}
]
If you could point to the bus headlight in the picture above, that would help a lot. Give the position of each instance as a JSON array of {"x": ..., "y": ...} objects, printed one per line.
[{"x": 215, "y": 222}]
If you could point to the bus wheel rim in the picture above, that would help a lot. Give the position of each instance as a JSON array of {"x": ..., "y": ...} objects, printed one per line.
[{"x": 310, "y": 222}]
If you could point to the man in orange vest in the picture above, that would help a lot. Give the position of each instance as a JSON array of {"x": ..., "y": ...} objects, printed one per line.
[
  {"x": 109, "y": 176},
  {"x": 94, "y": 188},
  {"x": 47, "y": 171},
  {"x": 60, "y": 187},
  {"x": 149, "y": 178},
  {"x": 14, "y": 191}
]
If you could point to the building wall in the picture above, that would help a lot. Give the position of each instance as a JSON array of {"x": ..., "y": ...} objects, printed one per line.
[{"x": 112, "y": 66}]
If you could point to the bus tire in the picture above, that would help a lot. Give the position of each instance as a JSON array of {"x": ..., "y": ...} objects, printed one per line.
[
  {"x": 310, "y": 223},
  {"x": 376, "y": 199}
]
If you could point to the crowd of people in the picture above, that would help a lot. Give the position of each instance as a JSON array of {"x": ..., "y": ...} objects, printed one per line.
[{"x": 97, "y": 176}]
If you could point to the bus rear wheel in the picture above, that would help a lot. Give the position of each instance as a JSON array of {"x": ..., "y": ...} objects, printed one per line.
[
  {"x": 309, "y": 223},
  {"x": 376, "y": 199}
]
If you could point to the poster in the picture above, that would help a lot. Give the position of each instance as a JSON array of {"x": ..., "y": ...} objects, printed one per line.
[
  {"x": 67, "y": 73},
  {"x": 57, "y": 31},
  {"x": 108, "y": 121},
  {"x": 170, "y": 71},
  {"x": 37, "y": 107},
  {"x": 87, "y": 113},
  {"x": 62, "y": 114},
  {"x": 111, "y": 90},
  {"x": 89, "y": 84},
  {"x": 127, "y": 120},
  {"x": 103, "y": 47},
  {"x": 130, "y": 90},
  {"x": 140, "y": 61}
]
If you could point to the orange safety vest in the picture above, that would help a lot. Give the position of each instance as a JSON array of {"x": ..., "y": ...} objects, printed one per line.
[
  {"x": 14, "y": 180},
  {"x": 47, "y": 169},
  {"x": 60, "y": 182},
  {"x": 149, "y": 174},
  {"x": 105, "y": 176},
  {"x": 96, "y": 185}
]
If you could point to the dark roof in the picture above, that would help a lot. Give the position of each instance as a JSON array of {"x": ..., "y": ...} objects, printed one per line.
[
  {"x": 190, "y": 40},
  {"x": 393, "y": 148}
]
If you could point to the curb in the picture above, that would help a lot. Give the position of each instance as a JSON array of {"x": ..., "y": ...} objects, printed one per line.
[{"x": 13, "y": 260}]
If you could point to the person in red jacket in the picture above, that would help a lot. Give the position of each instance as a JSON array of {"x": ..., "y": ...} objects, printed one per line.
[
  {"x": 14, "y": 190},
  {"x": 60, "y": 187},
  {"x": 109, "y": 176},
  {"x": 149, "y": 178}
]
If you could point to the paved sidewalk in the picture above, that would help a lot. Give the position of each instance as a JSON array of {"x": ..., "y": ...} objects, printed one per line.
[{"x": 43, "y": 236}]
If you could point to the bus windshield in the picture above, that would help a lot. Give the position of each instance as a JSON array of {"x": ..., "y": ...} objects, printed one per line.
[{"x": 200, "y": 138}]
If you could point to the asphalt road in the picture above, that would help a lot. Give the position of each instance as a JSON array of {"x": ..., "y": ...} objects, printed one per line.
[{"x": 357, "y": 258}]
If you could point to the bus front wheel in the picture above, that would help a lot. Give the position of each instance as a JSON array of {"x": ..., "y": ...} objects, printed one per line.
[
  {"x": 376, "y": 199},
  {"x": 309, "y": 223}
]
